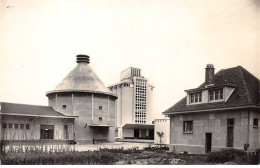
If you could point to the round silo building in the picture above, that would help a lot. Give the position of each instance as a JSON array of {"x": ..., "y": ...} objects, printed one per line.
[{"x": 81, "y": 93}]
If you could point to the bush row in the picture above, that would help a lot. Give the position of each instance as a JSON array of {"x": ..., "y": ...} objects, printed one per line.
[
  {"x": 58, "y": 158},
  {"x": 232, "y": 155}
]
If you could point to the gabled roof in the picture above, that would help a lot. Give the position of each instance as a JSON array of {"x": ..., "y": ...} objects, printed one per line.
[
  {"x": 30, "y": 110},
  {"x": 246, "y": 92},
  {"x": 81, "y": 78}
]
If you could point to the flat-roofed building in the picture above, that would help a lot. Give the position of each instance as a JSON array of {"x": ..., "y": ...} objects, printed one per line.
[{"x": 134, "y": 105}]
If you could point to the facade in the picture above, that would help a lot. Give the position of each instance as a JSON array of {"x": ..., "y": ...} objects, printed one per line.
[
  {"x": 162, "y": 126},
  {"x": 80, "y": 108},
  {"x": 133, "y": 106},
  {"x": 21, "y": 122},
  {"x": 82, "y": 93},
  {"x": 223, "y": 112}
]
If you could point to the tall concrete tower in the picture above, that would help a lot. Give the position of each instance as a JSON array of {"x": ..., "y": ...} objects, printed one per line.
[{"x": 134, "y": 105}]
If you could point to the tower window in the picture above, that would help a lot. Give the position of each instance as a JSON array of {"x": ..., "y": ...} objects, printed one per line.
[
  {"x": 5, "y": 125},
  {"x": 64, "y": 106},
  {"x": 255, "y": 124},
  {"x": 10, "y": 126},
  {"x": 16, "y": 126},
  {"x": 100, "y": 118},
  {"x": 100, "y": 107},
  {"x": 21, "y": 126},
  {"x": 27, "y": 126}
]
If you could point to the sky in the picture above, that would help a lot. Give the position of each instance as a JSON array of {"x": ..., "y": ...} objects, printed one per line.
[{"x": 170, "y": 40}]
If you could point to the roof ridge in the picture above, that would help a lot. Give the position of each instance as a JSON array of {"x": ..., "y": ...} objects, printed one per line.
[
  {"x": 245, "y": 84},
  {"x": 250, "y": 73}
]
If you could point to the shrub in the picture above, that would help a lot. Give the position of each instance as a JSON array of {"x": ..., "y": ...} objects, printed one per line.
[
  {"x": 58, "y": 158},
  {"x": 231, "y": 155},
  {"x": 157, "y": 149}
]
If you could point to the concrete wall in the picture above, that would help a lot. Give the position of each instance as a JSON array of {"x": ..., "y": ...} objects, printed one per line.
[
  {"x": 127, "y": 105},
  {"x": 128, "y": 133},
  {"x": 91, "y": 109},
  {"x": 35, "y": 125},
  {"x": 124, "y": 107},
  {"x": 215, "y": 123},
  {"x": 150, "y": 104},
  {"x": 162, "y": 125}
]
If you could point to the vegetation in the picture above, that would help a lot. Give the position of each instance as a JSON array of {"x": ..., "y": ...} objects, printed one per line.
[
  {"x": 232, "y": 155},
  {"x": 160, "y": 135},
  {"x": 58, "y": 158},
  {"x": 152, "y": 155}
]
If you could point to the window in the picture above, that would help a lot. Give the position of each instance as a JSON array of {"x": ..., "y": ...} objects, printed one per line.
[
  {"x": 10, "y": 126},
  {"x": 255, "y": 123},
  {"x": 187, "y": 126},
  {"x": 216, "y": 94},
  {"x": 116, "y": 132},
  {"x": 21, "y": 126},
  {"x": 16, "y": 126},
  {"x": 100, "y": 107},
  {"x": 4, "y": 125},
  {"x": 230, "y": 122},
  {"x": 64, "y": 106},
  {"x": 195, "y": 97},
  {"x": 100, "y": 118},
  {"x": 27, "y": 126}
]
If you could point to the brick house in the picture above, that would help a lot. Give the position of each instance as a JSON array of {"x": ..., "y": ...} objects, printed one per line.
[{"x": 223, "y": 112}]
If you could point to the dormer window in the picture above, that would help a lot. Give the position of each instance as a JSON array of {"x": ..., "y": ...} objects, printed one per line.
[
  {"x": 195, "y": 97},
  {"x": 216, "y": 94}
]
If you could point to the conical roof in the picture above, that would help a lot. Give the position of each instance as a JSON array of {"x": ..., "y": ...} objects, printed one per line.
[{"x": 81, "y": 79}]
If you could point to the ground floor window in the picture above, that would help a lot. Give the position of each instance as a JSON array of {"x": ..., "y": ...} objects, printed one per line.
[
  {"x": 47, "y": 131},
  {"x": 66, "y": 132},
  {"x": 116, "y": 132},
  {"x": 187, "y": 126}
]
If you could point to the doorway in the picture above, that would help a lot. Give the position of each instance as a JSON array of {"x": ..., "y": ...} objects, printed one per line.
[
  {"x": 136, "y": 133},
  {"x": 208, "y": 142},
  {"x": 66, "y": 132},
  {"x": 230, "y": 132},
  {"x": 47, "y": 131}
]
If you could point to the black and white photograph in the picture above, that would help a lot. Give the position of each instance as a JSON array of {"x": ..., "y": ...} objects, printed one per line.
[{"x": 130, "y": 82}]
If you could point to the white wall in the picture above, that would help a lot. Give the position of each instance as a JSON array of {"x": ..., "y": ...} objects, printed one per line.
[{"x": 162, "y": 125}]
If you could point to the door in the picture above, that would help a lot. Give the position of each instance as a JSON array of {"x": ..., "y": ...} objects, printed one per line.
[
  {"x": 151, "y": 134},
  {"x": 66, "y": 132},
  {"x": 230, "y": 136},
  {"x": 47, "y": 131},
  {"x": 136, "y": 133},
  {"x": 208, "y": 142},
  {"x": 230, "y": 132}
]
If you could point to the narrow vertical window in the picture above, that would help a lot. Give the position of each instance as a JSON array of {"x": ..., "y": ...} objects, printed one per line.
[{"x": 255, "y": 123}]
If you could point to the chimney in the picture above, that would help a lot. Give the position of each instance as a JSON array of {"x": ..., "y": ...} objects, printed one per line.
[
  {"x": 83, "y": 59},
  {"x": 209, "y": 74}
]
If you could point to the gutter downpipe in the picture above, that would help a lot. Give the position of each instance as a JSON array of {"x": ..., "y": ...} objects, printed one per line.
[{"x": 248, "y": 129}]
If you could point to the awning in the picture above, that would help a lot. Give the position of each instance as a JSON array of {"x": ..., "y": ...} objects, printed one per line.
[
  {"x": 101, "y": 125},
  {"x": 138, "y": 126}
]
